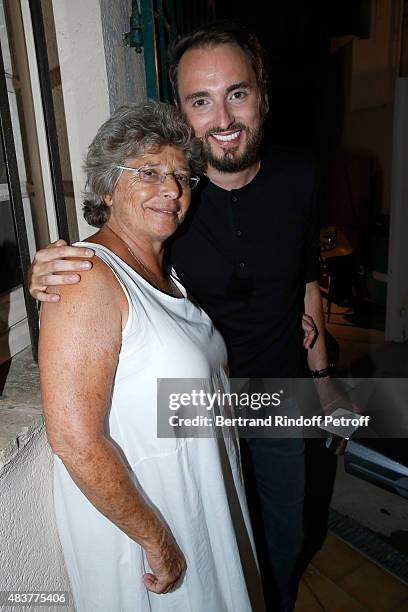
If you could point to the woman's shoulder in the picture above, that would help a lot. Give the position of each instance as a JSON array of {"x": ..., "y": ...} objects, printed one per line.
[{"x": 98, "y": 283}]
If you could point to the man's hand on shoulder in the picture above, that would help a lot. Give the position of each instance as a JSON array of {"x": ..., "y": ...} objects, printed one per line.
[{"x": 57, "y": 264}]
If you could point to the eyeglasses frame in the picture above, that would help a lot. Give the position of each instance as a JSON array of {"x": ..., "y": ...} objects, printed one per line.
[{"x": 163, "y": 176}]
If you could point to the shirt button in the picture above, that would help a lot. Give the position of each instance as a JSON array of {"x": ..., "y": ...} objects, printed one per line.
[
  {"x": 242, "y": 264},
  {"x": 234, "y": 199},
  {"x": 239, "y": 233}
]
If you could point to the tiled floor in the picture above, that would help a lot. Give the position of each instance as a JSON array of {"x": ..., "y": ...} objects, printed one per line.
[{"x": 340, "y": 579}]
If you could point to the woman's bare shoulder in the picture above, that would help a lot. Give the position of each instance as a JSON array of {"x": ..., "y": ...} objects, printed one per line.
[
  {"x": 99, "y": 278},
  {"x": 98, "y": 289}
]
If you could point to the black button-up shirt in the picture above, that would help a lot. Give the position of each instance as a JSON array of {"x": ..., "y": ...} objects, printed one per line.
[{"x": 245, "y": 255}]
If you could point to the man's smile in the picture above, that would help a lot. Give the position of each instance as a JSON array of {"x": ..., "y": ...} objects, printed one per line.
[{"x": 226, "y": 139}]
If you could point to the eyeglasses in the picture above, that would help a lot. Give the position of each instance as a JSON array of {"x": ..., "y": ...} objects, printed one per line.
[{"x": 152, "y": 176}]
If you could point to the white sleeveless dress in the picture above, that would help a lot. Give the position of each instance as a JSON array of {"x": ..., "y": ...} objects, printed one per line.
[{"x": 196, "y": 484}]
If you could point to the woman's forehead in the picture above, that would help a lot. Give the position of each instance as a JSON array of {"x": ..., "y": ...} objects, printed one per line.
[{"x": 166, "y": 155}]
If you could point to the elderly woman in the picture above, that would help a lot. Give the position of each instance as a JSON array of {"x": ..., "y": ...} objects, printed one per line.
[{"x": 145, "y": 523}]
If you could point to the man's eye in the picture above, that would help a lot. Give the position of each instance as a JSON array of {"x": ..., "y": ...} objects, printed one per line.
[
  {"x": 181, "y": 178},
  {"x": 238, "y": 95},
  {"x": 200, "y": 102}
]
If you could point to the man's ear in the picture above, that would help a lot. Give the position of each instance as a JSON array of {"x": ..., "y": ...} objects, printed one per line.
[{"x": 264, "y": 104}]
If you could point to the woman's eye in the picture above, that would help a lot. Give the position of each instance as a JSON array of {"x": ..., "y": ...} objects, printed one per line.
[{"x": 148, "y": 174}]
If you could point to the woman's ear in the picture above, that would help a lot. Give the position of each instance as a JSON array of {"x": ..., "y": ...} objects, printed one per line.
[{"x": 107, "y": 198}]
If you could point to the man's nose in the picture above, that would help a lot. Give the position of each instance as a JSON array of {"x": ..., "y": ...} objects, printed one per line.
[{"x": 225, "y": 116}]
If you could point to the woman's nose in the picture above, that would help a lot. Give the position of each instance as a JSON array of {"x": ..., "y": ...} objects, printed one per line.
[{"x": 170, "y": 187}]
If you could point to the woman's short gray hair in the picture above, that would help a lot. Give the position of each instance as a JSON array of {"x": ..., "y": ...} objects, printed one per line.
[{"x": 131, "y": 131}]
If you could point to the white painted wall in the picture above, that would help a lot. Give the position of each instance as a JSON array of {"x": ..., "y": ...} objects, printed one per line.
[
  {"x": 30, "y": 553},
  {"x": 98, "y": 74},
  {"x": 81, "y": 54}
]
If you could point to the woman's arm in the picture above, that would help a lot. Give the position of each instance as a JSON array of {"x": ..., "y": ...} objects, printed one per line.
[{"x": 80, "y": 341}]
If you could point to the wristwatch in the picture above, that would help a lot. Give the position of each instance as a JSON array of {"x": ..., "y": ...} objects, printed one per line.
[{"x": 323, "y": 373}]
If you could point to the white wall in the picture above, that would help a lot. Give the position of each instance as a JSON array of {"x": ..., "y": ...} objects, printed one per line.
[
  {"x": 30, "y": 553},
  {"x": 81, "y": 54},
  {"x": 97, "y": 74}
]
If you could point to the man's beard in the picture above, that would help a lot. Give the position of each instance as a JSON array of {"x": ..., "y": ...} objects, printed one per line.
[{"x": 230, "y": 160}]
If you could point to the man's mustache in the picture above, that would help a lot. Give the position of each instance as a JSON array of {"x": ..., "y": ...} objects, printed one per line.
[{"x": 234, "y": 127}]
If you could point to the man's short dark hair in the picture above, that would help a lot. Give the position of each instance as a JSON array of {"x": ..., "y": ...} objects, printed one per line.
[{"x": 222, "y": 33}]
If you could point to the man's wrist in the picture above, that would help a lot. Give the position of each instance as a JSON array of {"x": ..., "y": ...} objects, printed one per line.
[{"x": 322, "y": 373}]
